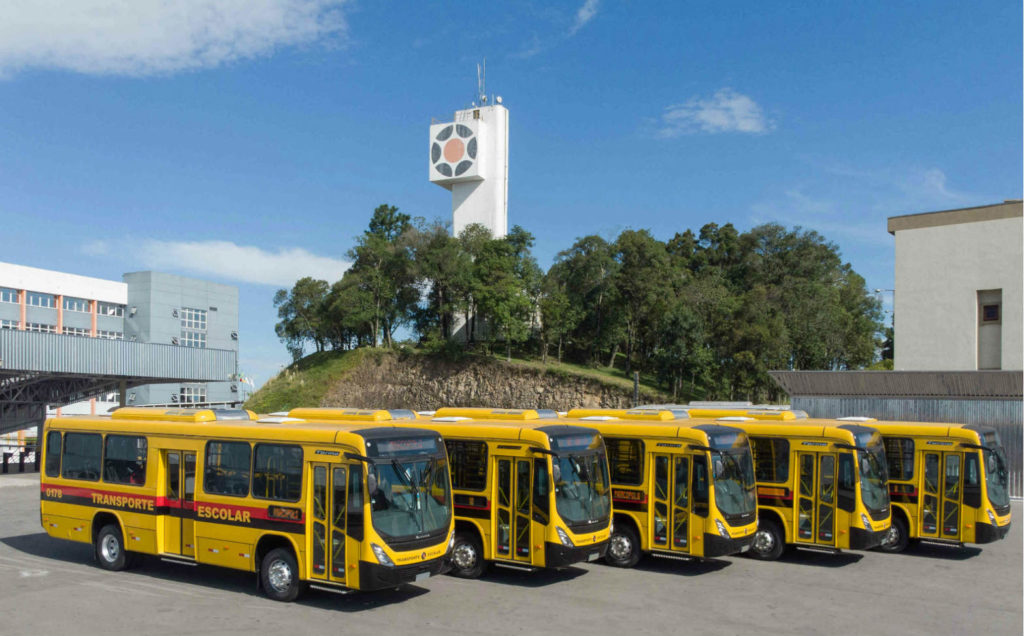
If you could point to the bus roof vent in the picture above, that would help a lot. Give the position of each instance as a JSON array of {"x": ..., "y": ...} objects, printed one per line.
[
  {"x": 720, "y": 404},
  {"x": 735, "y": 418},
  {"x": 451, "y": 418},
  {"x": 278, "y": 419},
  {"x": 490, "y": 414},
  {"x": 352, "y": 415},
  {"x": 857, "y": 418},
  {"x": 426, "y": 413},
  {"x": 597, "y": 418},
  {"x": 160, "y": 414}
]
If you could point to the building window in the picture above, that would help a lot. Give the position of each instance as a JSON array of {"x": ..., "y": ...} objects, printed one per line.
[
  {"x": 110, "y": 335},
  {"x": 109, "y": 309},
  {"x": 193, "y": 318},
  {"x": 76, "y": 304},
  {"x": 192, "y": 394},
  {"x": 41, "y": 328},
  {"x": 8, "y": 295},
  {"x": 193, "y": 339},
  {"x": 75, "y": 331},
  {"x": 8, "y": 324},
  {"x": 36, "y": 299}
]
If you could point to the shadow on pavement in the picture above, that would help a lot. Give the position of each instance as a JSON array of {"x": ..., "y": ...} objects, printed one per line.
[
  {"x": 537, "y": 578},
  {"x": 680, "y": 567},
  {"x": 939, "y": 551},
  {"x": 43, "y": 546},
  {"x": 820, "y": 559}
]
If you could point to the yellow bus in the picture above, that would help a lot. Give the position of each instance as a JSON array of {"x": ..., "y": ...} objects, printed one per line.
[
  {"x": 294, "y": 503},
  {"x": 715, "y": 410},
  {"x": 529, "y": 492},
  {"x": 820, "y": 485},
  {"x": 680, "y": 489},
  {"x": 948, "y": 483}
]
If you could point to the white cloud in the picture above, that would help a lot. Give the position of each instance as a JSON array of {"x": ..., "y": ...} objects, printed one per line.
[
  {"x": 147, "y": 37},
  {"x": 96, "y": 248},
  {"x": 584, "y": 15},
  {"x": 244, "y": 263},
  {"x": 725, "y": 111}
]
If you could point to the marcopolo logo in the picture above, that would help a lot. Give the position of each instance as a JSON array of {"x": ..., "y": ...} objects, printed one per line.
[{"x": 453, "y": 150}]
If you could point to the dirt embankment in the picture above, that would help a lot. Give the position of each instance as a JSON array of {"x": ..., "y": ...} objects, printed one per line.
[{"x": 426, "y": 383}]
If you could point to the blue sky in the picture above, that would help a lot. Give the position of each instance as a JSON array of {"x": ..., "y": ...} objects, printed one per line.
[{"x": 248, "y": 141}]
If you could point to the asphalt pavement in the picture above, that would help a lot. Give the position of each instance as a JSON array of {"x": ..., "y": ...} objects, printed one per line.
[{"x": 49, "y": 586}]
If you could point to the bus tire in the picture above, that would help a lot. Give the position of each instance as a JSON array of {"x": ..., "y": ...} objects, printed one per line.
[
  {"x": 467, "y": 556},
  {"x": 769, "y": 541},
  {"x": 109, "y": 549},
  {"x": 279, "y": 575},
  {"x": 898, "y": 537},
  {"x": 623, "y": 547}
]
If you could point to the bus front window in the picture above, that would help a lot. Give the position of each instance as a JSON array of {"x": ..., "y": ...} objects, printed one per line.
[
  {"x": 735, "y": 491},
  {"x": 409, "y": 498},
  {"x": 996, "y": 477},
  {"x": 873, "y": 490},
  {"x": 582, "y": 494}
]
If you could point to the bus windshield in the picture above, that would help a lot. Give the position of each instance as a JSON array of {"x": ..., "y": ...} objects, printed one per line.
[
  {"x": 735, "y": 492},
  {"x": 996, "y": 477},
  {"x": 582, "y": 495},
  {"x": 873, "y": 488},
  {"x": 410, "y": 497}
]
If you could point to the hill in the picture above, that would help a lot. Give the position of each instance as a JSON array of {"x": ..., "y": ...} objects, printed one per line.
[{"x": 379, "y": 378}]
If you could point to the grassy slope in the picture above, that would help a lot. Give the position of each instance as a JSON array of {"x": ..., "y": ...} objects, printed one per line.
[{"x": 304, "y": 383}]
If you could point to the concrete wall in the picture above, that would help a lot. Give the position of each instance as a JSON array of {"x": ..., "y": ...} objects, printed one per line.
[
  {"x": 156, "y": 298},
  {"x": 939, "y": 271}
]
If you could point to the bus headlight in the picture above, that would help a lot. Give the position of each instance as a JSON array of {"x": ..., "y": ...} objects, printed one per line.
[
  {"x": 564, "y": 538},
  {"x": 451, "y": 541},
  {"x": 382, "y": 556},
  {"x": 722, "y": 531},
  {"x": 992, "y": 517},
  {"x": 867, "y": 522}
]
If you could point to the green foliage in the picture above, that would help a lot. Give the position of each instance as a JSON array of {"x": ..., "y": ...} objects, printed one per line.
[
  {"x": 305, "y": 382},
  {"x": 706, "y": 314}
]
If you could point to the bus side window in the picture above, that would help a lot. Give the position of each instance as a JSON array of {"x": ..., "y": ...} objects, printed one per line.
[
  {"x": 972, "y": 481},
  {"x": 700, "y": 485},
  {"x": 845, "y": 495},
  {"x": 541, "y": 490},
  {"x": 355, "y": 502},
  {"x": 53, "y": 454}
]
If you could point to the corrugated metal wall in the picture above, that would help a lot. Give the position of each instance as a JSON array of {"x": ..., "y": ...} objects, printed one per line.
[
  {"x": 1003, "y": 415},
  {"x": 53, "y": 353}
]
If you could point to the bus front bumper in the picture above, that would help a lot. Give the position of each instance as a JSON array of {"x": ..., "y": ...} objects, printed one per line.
[
  {"x": 866, "y": 540},
  {"x": 557, "y": 555},
  {"x": 373, "y": 576},
  {"x": 715, "y": 545},
  {"x": 987, "y": 533}
]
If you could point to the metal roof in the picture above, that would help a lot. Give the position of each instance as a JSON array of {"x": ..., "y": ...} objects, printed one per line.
[{"x": 996, "y": 385}]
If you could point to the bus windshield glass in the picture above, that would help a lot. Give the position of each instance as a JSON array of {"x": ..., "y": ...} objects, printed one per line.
[
  {"x": 582, "y": 495},
  {"x": 996, "y": 477},
  {"x": 409, "y": 496},
  {"x": 735, "y": 491},
  {"x": 873, "y": 487}
]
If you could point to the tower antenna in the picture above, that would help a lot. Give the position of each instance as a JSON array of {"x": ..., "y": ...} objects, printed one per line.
[{"x": 481, "y": 81}]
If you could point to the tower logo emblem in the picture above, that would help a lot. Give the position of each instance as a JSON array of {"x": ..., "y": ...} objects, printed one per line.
[{"x": 453, "y": 150}]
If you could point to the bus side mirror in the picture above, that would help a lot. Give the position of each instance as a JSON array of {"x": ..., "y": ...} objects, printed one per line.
[
  {"x": 556, "y": 472},
  {"x": 371, "y": 483}
]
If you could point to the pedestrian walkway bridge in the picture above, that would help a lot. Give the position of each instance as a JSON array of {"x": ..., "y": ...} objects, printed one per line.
[{"x": 41, "y": 369}]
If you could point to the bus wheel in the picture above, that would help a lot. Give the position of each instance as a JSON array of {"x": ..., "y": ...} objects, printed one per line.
[
  {"x": 467, "y": 556},
  {"x": 897, "y": 538},
  {"x": 279, "y": 575},
  {"x": 109, "y": 548},
  {"x": 768, "y": 541},
  {"x": 623, "y": 547}
]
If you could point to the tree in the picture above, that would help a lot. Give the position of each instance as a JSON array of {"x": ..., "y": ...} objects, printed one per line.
[
  {"x": 587, "y": 273},
  {"x": 301, "y": 312},
  {"x": 500, "y": 296},
  {"x": 642, "y": 283}
]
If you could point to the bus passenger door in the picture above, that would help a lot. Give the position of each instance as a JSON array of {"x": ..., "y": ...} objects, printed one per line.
[
  {"x": 327, "y": 513},
  {"x": 952, "y": 492},
  {"x": 179, "y": 497},
  {"x": 680, "y": 539},
  {"x": 806, "y": 487},
  {"x": 930, "y": 496},
  {"x": 827, "y": 499},
  {"x": 659, "y": 511},
  {"x": 511, "y": 530}
]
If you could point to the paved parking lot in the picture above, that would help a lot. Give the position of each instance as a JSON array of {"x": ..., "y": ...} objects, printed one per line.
[{"x": 48, "y": 586}]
